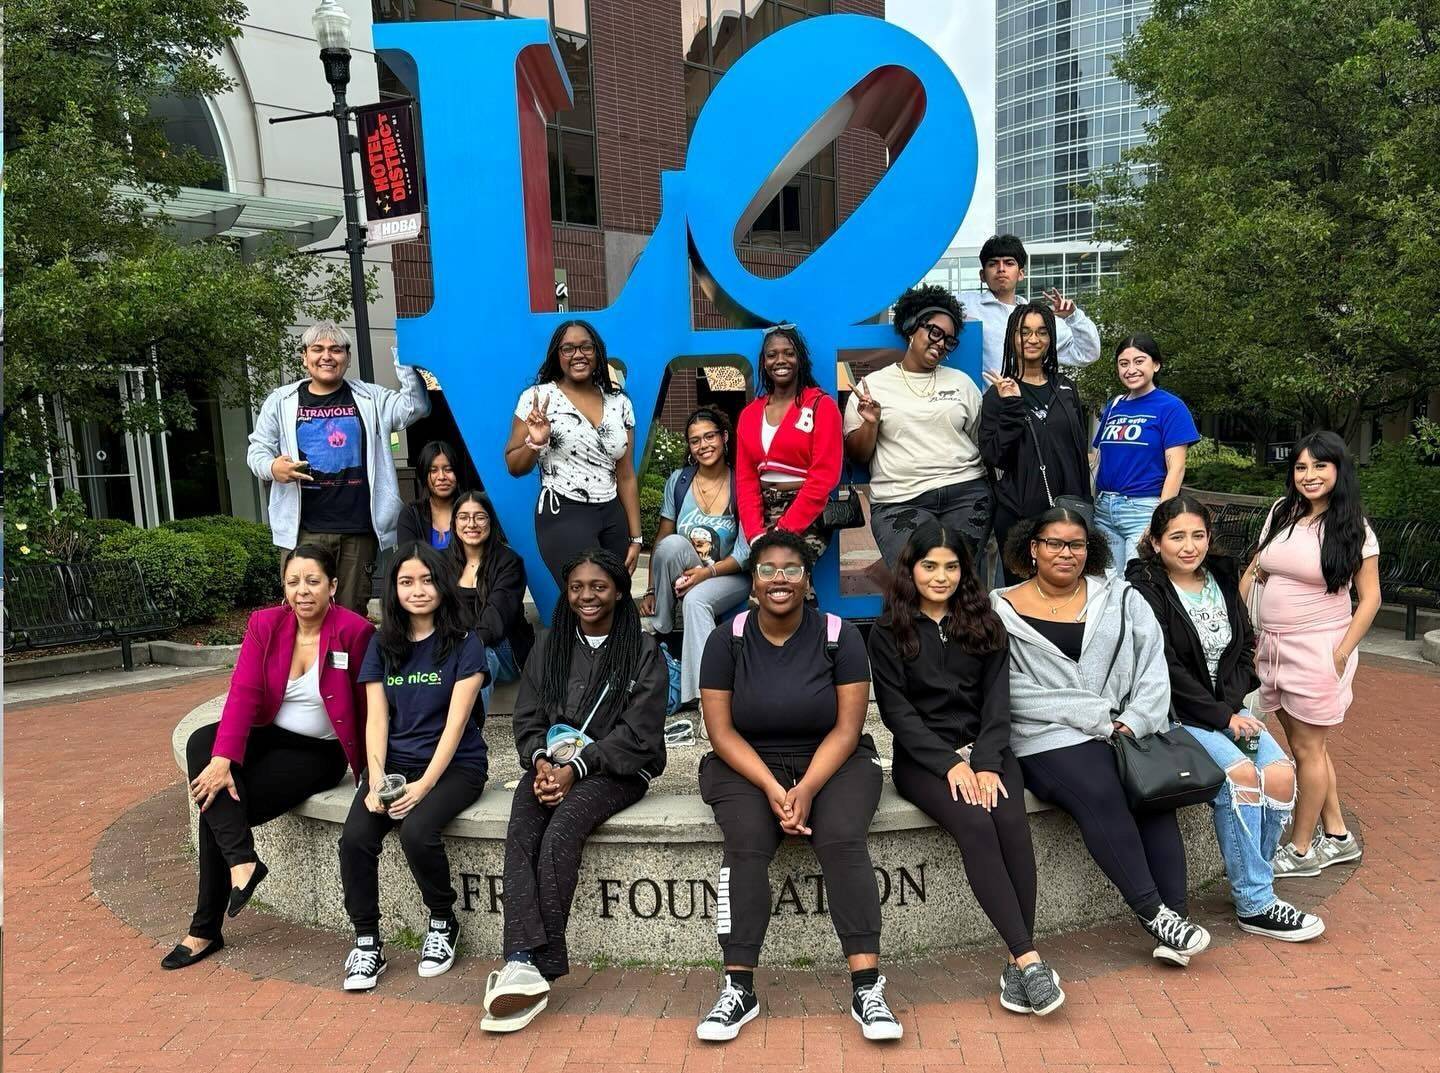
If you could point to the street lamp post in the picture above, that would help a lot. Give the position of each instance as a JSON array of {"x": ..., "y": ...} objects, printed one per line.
[{"x": 332, "y": 33}]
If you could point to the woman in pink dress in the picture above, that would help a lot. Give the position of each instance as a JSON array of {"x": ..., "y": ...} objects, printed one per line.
[{"x": 1314, "y": 548}]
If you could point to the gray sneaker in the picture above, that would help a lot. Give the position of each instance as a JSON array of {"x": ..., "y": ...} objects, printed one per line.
[
  {"x": 1042, "y": 984},
  {"x": 1290, "y": 865},
  {"x": 1013, "y": 995},
  {"x": 1336, "y": 851}
]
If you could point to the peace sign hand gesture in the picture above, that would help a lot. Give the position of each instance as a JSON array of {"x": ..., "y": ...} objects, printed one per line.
[
  {"x": 1063, "y": 306},
  {"x": 1004, "y": 386},
  {"x": 865, "y": 404},
  {"x": 537, "y": 424}
]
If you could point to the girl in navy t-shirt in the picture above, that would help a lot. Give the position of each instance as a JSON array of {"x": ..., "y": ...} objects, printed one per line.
[
  {"x": 423, "y": 675},
  {"x": 1143, "y": 437}
]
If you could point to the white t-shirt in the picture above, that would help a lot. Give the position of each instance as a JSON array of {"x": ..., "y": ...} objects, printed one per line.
[
  {"x": 925, "y": 441},
  {"x": 579, "y": 462},
  {"x": 303, "y": 711}
]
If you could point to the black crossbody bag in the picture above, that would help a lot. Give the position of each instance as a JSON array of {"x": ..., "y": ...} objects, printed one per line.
[{"x": 1165, "y": 771}]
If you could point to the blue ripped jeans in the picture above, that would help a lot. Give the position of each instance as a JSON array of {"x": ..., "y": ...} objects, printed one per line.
[
  {"x": 1123, "y": 520},
  {"x": 1248, "y": 822}
]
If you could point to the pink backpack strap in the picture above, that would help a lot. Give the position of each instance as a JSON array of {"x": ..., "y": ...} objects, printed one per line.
[
  {"x": 737, "y": 624},
  {"x": 832, "y": 629}
]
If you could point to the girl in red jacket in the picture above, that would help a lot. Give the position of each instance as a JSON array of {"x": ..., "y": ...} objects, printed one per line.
[{"x": 787, "y": 457}]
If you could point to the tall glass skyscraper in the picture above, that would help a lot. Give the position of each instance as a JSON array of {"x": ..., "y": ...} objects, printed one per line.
[{"x": 1060, "y": 116}]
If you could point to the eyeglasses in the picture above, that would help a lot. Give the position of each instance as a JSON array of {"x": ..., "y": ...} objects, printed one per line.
[
  {"x": 1034, "y": 333},
  {"x": 938, "y": 335},
  {"x": 569, "y": 350},
  {"x": 472, "y": 519},
  {"x": 1054, "y": 544},
  {"x": 769, "y": 571},
  {"x": 702, "y": 438}
]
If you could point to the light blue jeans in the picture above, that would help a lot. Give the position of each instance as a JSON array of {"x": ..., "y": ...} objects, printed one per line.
[
  {"x": 704, "y": 605},
  {"x": 1248, "y": 823},
  {"x": 1123, "y": 520},
  {"x": 501, "y": 661}
]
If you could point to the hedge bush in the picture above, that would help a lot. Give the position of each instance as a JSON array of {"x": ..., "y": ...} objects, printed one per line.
[
  {"x": 261, "y": 583},
  {"x": 667, "y": 453},
  {"x": 204, "y": 570}
]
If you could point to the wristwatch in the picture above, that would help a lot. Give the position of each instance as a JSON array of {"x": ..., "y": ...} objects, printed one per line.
[{"x": 637, "y": 540}]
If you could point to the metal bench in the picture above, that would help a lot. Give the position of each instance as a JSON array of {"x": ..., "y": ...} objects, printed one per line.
[{"x": 50, "y": 604}]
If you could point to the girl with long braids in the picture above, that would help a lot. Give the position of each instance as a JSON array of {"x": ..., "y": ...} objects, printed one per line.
[
  {"x": 940, "y": 660},
  {"x": 580, "y": 428},
  {"x": 590, "y": 730},
  {"x": 1315, "y": 548},
  {"x": 787, "y": 453},
  {"x": 423, "y": 675},
  {"x": 1032, "y": 431},
  {"x": 491, "y": 587},
  {"x": 915, "y": 424}
]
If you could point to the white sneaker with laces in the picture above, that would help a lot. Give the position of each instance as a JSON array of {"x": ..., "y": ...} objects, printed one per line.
[
  {"x": 513, "y": 989},
  {"x": 733, "y": 1010},
  {"x": 872, "y": 1013}
]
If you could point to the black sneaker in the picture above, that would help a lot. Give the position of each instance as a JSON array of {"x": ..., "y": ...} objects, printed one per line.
[
  {"x": 1284, "y": 922},
  {"x": 872, "y": 1013},
  {"x": 1013, "y": 995},
  {"x": 437, "y": 952},
  {"x": 735, "y": 1008},
  {"x": 1178, "y": 939},
  {"x": 1042, "y": 987},
  {"x": 364, "y": 965}
]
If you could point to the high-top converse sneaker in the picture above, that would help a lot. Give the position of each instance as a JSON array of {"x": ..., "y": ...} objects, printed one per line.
[
  {"x": 872, "y": 1013},
  {"x": 1178, "y": 940},
  {"x": 437, "y": 953},
  {"x": 364, "y": 964},
  {"x": 736, "y": 1007}
]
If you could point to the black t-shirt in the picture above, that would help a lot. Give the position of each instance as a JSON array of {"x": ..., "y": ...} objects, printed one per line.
[
  {"x": 783, "y": 698},
  {"x": 331, "y": 438},
  {"x": 419, "y": 695},
  {"x": 1067, "y": 468},
  {"x": 1038, "y": 398}
]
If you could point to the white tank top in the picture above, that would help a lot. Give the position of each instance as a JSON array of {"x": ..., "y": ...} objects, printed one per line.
[{"x": 303, "y": 711}]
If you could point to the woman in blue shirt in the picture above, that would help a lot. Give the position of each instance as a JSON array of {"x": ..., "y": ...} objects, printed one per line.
[
  {"x": 1142, "y": 441},
  {"x": 700, "y": 549}
]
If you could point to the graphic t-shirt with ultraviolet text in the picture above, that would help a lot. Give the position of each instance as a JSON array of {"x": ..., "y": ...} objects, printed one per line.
[{"x": 331, "y": 438}]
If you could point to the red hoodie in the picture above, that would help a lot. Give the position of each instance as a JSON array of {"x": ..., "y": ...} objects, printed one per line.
[{"x": 807, "y": 446}]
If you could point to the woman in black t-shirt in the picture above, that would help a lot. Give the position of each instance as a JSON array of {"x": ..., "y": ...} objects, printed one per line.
[
  {"x": 424, "y": 672},
  {"x": 941, "y": 662},
  {"x": 1031, "y": 426},
  {"x": 784, "y": 693}
]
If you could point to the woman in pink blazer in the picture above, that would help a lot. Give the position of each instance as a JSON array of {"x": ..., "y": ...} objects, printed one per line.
[{"x": 294, "y": 717}]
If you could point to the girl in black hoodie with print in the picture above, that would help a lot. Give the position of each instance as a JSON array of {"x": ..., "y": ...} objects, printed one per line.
[
  {"x": 598, "y": 675},
  {"x": 939, "y": 658}
]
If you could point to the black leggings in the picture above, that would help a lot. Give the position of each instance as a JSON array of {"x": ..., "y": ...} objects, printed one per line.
[
  {"x": 364, "y": 834},
  {"x": 994, "y": 846},
  {"x": 566, "y": 527},
  {"x": 281, "y": 770},
  {"x": 840, "y": 816},
  {"x": 1141, "y": 853},
  {"x": 542, "y": 862}
]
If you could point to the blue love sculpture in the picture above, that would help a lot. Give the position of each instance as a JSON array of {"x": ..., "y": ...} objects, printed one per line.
[{"x": 486, "y": 89}]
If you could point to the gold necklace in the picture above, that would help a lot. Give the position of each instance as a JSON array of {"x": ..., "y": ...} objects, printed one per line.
[
  {"x": 1046, "y": 597},
  {"x": 905, "y": 378},
  {"x": 709, "y": 499}
]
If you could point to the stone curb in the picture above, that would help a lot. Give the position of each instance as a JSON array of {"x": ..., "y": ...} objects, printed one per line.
[
  {"x": 165, "y": 653},
  {"x": 1430, "y": 646}
]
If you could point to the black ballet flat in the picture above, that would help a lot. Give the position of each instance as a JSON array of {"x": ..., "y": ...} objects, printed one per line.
[
  {"x": 182, "y": 957},
  {"x": 239, "y": 896}
]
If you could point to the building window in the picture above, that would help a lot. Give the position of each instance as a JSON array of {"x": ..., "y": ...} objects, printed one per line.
[
  {"x": 188, "y": 124},
  {"x": 714, "y": 34},
  {"x": 570, "y": 136}
]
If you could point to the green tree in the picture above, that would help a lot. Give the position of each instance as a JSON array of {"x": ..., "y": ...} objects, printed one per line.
[
  {"x": 1282, "y": 222},
  {"x": 93, "y": 285}
]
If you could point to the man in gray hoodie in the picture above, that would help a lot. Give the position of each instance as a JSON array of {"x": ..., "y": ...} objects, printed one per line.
[{"x": 324, "y": 444}]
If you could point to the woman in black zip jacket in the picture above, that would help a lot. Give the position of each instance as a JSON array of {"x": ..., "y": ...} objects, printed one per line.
[
  {"x": 1210, "y": 650},
  {"x": 590, "y": 730},
  {"x": 1031, "y": 427},
  {"x": 939, "y": 658}
]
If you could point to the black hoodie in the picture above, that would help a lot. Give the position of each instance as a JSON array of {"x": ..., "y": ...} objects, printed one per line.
[
  {"x": 629, "y": 737},
  {"x": 1006, "y": 444},
  {"x": 1194, "y": 698}
]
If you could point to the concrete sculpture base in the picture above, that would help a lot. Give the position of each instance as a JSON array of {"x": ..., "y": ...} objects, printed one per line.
[{"x": 647, "y": 885}]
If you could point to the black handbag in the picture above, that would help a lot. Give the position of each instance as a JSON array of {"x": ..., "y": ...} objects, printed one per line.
[
  {"x": 843, "y": 512},
  {"x": 1165, "y": 771}
]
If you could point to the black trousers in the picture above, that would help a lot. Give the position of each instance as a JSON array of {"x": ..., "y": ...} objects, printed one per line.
[
  {"x": 281, "y": 770},
  {"x": 566, "y": 527},
  {"x": 1141, "y": 853},
  {"x": 365, "y": 832},
  {"x": 840, "y": 817},
  {"x": 542, "y": 861},
  {"x": 994, "y": 846}
]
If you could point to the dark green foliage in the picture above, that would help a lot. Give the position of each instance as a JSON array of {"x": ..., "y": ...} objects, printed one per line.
[
  {"x": 204, "y": 572},
  {"x": 261, "y": 583}
]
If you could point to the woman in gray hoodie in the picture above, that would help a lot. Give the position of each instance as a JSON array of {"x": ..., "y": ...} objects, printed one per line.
[{"x": 1087, "y": 662}]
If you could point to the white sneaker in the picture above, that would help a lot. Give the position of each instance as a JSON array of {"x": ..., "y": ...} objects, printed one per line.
[
  {"x": 512, "y": 990},
  {"x": 437, "y": 953},
  {"x": 516, "y": 1023}
]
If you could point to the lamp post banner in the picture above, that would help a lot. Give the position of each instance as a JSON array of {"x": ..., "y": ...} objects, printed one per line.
[{"x": 392, "y": 179}]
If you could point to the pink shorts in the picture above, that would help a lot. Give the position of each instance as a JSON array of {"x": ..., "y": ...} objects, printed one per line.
[{"x": 1297, "y": 673}]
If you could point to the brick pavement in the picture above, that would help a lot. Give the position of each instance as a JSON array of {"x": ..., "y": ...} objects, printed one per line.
[{"x": 92, "y": 802}]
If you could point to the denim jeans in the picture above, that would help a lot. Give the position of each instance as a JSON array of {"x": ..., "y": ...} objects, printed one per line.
[
  {"x": 1248, "y": 834},
  {"x": 1123, "y": 519},
  {"x": 501, "y": 661}
]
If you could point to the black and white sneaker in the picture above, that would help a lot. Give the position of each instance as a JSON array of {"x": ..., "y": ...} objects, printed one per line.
[
  {"x": 1284, "y": 922},
  {"x": 365, "y": 964},
  {"x": 735, "y": 1008},
  {"x": 437, "y": 952},
  {"x": 872, "y": 1013},
  {"x": 1178, "y": 940},
  {"x": 1013, "y": 995},
  {"x": 1042, "y": 988}
]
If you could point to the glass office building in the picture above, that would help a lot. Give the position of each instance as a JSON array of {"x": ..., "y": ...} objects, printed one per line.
[{"x": 1061, "y": 115}]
